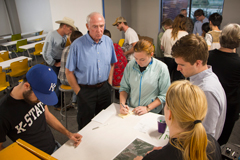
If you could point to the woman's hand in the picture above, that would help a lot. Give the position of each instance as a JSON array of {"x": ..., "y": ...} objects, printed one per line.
[
  {"x": 140, "y": 110},
  {"x": 124, "y": 110}
]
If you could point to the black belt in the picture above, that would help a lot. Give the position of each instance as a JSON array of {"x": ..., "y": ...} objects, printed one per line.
[{"x": 98, "y": 85}]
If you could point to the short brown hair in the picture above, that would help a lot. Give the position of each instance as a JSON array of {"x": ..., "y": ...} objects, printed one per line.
[
  {"x": 191, "y": 48},
  {"x": 75, "y": 35},
  {"x": 144, "y": 45},
  {"x": 198, "y": 12},
  {"x": 167, "y": 22},
  {"x": 230, "y": 36}
]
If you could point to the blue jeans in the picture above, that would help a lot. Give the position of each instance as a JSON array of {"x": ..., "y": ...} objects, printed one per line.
[
  {"x": 57, "y": 91},
  {"x": 57, "y": 145}
]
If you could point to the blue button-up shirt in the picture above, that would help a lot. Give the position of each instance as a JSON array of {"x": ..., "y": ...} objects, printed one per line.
[
  {"x": 198, "y": 26},
  {"x": 91, "y": 61}
]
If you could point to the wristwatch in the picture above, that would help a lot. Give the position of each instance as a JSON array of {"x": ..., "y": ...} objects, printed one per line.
[{"x": 148, "y": 109}]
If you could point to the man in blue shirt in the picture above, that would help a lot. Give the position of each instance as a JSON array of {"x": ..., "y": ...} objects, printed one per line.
[
  {"x": 199, "y": 15},
  {"x": 89, "y": 69}
]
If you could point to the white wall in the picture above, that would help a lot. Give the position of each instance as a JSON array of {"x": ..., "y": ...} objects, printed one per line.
[
  {"x": 112, "y": 11},
  {"x": 75, "y": 9},
  {"x": 34, "y": 15},
  {"x": 145, "y": 17}
]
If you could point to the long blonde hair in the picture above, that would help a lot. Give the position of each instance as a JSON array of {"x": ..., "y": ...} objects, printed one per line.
[
  {"x": 179, "y": 23},
  {"x": 188, "y": 103}
]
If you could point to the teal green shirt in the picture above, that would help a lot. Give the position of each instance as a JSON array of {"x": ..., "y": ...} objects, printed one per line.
[{"x": 144, "y": 87}]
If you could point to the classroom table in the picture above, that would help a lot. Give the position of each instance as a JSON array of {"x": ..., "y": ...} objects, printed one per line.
[
  {"x": 6, "y": 64},
  {"x": 31, "y": 45},
  {"x": 113, "y": 135},
  {"x": 5, "y": 51},
  {"x": 22, "y": 34},
  {"x": 6, "y": 44}
]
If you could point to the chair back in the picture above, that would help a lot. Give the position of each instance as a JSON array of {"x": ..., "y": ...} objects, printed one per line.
[
  {"x": 1, "y": 60},
  {"x": 68, "y": 42},
  {"x": 120, "y": 42},
  {"x": 39, "y": 39},
  {"x": 21, "y": 43},
  {"x": 3, "y": 83},
  {"x": 19, "y": 68},
  {"x": 38, "y": 48},
  {"x": 16, "y": 37},
  {"x": 4, "y": 55}
]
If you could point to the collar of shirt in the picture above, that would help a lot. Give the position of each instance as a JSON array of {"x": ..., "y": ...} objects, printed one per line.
[
  {"x": 202, "y": 74},
  {"x": 89, "y": 38},
  {"x": 136, "y": 66}
]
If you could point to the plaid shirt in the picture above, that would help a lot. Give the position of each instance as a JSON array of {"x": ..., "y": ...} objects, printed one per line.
[{"x": 61, "y": 75}]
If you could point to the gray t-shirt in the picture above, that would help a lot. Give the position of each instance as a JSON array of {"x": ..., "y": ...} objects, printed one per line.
[
  {"x": 53, "y": 47},
  {"x": 216, "y": 99}
]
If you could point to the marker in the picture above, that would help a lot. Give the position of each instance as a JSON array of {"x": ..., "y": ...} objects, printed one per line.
[{"x": 123, "y": 105}]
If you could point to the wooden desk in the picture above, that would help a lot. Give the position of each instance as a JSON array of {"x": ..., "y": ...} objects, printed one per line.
[
  {"x": 107, "y": 141},
  {"x": 28, "y": 39},
  {"x": 31, "y": 45},
  {"x": 7, "y": 63}
]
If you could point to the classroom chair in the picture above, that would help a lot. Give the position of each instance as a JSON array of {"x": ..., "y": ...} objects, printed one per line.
[
  {"x": 120, "y": 42},
  {"x": 68, "y": 42},
  {"x": 38, "y": 50},
  {"x": 4, "y": 55},
  {"x": 39, "y": 39},
  {"x": 16, "y": 37},
  {"x": 18, "y": 69},
  {"x": 20, "y": 43},
  {"x": 3, "y": 83}
]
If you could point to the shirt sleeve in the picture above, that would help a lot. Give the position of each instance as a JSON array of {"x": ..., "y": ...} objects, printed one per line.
[
  {"x": 208, "y": 39},
  {"x": 133, "y": 38},
  {"x": 163, "y": 83},
  {"x": 47, "y": 49},
  {"x": 213, "y": 113},
  {"x": 71, "y": 62},
  {"x": 124, "y": 84},
  {"x": 114, "y": 58},
  {"x": 195, "y": 28},
  {"x": 3, "y": 130}
]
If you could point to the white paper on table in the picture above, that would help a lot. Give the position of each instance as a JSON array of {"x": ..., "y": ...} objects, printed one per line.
[
  {"x": 143, "y": 125},
  {"x": 103, "y": 116}
]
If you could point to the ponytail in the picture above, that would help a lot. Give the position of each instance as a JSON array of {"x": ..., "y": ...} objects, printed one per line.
[{"x": 188, "y": 105}]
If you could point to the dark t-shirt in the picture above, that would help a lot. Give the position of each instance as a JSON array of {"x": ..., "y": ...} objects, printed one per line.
[
  {"x": 18, "y": 119},
  {"x": 172, "y": 153},
  {"x": 227, "y": 67}
]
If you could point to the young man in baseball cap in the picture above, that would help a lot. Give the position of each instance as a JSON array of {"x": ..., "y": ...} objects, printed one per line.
[{"x": 24, "y": 113}]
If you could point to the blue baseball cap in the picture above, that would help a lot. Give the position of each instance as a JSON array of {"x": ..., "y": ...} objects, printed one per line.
[{"x": 43, "y": 81}]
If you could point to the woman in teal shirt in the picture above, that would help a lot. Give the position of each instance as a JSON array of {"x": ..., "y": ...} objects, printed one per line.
[{"x": 145, "y": 82}]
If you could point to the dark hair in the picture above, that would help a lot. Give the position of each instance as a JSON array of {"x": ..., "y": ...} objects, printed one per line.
[
  {"x": 198, "y": 12},
  {"x": 205, "y": 27},
  {"x": 216, "y": 19},
  {"x": 191, "y": 48},
  {"x": 107, "y": 33},
  {"x": 75, "y": 35},
  {"x": 184, "y": 9},
  {"x": 167, "y": 22}
]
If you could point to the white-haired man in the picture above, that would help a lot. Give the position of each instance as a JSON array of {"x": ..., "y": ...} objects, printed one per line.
[{"x": 89, "y": 69}]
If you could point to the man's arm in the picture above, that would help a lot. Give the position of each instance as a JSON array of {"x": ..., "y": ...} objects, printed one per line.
[
  {"x": 1, "y": 146},
  {"x": 110, "y": 77},
  {"x": 131, "y": 50},
  {"x": 55, "y": 124},
  {"x": 47, "y": 49},
  {"x": 213, "y": 113},
  {"x": 72, "y": 80}
]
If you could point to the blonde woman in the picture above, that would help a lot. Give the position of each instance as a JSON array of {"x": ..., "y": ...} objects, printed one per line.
[
  {"x": 168, "y": 39},
  {"x": 145, "y": 82},
  {"x": 185, "y": 109}
]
